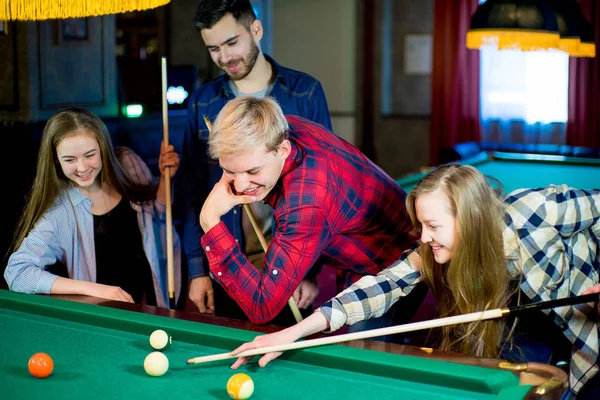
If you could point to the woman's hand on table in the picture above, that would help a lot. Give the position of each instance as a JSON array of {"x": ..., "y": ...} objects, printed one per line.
[
  {"x": 110, "y": 293},
  {"x": 317, "y": 322}
]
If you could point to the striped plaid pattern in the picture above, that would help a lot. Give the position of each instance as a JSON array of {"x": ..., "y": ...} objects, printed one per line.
[
  {"x": 331, "y": 205},
  {"x": 551, "y": 234}
]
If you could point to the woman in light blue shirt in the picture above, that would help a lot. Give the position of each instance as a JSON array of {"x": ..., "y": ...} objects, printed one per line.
[{"x": 106, "y": 226}]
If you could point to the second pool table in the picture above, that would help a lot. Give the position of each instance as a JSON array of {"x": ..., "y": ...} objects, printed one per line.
[{"x": 518, "y": 170}]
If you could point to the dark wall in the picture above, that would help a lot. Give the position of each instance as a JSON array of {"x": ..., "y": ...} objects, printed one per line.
[{"x": 401, "y": 98}]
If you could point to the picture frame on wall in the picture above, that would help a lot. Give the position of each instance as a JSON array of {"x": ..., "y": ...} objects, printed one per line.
[
  {"x": 418, "y": 54},
  {"x": 73, "y": 31}
]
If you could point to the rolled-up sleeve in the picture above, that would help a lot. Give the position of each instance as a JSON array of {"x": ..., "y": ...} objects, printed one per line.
[
  {"x": 373, "y": 295},
  {"x": 25, "y": 271}
]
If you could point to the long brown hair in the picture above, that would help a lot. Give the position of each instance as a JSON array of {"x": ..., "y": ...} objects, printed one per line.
[
  {"x": 476, "y": 278},
  {"x": 50, "y": 181}
]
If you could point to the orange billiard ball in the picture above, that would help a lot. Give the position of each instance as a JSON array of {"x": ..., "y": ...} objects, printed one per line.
[{"x": 40, "y": 365}]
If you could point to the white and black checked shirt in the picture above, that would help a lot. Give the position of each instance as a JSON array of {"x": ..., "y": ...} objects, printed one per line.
[{"x": 551, "y": 234}]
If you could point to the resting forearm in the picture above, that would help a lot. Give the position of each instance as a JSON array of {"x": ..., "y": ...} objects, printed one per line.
[
  {"x": 313, "y": 324},
  {"x": 72, "y": 286},
  {"x": 161, "y": 192}
]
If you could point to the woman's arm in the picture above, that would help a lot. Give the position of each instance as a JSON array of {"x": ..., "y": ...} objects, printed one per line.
[
  {"x": 400, "y": 277},
  {"x": 313, "y": 324},
  {"x": 72, "y": 286}
]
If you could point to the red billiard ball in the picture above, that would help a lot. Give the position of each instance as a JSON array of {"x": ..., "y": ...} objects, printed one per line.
[{"x": 40, "y": 365}]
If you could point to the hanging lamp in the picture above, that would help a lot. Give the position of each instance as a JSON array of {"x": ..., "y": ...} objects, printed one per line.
[
  {"x": 514, "y": 24},
  {"x": 587, "y": 47},
  {"x": 32, "y": 10},
  {"x": 568, "y": 25}
]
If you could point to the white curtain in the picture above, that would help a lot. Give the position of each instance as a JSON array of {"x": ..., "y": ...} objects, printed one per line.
[{"x": 524, "y": 96}]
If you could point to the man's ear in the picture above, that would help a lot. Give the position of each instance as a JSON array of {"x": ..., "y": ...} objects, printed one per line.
[
  {"x": 256, "y": 29},
  {"x": 285, "y": 148}
]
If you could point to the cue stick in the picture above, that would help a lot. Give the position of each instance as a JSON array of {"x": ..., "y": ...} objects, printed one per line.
[
  {"x": 261, "y": 237},
  {"x": 165, "y": 116},
  {"x": 415, "y": 326}
]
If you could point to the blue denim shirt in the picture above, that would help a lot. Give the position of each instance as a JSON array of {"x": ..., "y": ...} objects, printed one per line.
[{"x": 296, "y": 92}]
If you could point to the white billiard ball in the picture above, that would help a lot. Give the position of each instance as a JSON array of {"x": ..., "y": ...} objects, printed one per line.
[
  {"x": 160, "y": 340},
  {"x": 156, "y": 364}
]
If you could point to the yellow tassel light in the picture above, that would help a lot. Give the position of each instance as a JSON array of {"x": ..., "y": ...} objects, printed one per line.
[
  {"x": 532, "y": 25},
  {"x": 33, "y": 10},
  {"x": 506, "y": 39}
]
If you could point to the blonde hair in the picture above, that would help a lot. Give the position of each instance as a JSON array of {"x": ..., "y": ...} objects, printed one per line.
[
  {"x": 245, "y": 124},
  {"x": 50, "y": 180},
  {"x": 476, "y": 278}
]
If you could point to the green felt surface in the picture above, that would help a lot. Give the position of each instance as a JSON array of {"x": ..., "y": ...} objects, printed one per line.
[
  {"x": 516, "y": 171},
  {"x": 99, "y": 352}
]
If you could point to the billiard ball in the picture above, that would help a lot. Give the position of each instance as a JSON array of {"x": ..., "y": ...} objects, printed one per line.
[
  {"x": 160, "y": 340},
  {"x": 40, "y": 365},
  {"x": 156, "y": 364},
  {"x": 240, "y": 386}
]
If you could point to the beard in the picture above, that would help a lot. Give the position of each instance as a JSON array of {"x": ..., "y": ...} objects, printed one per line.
[{"x": 246, "y": 62}]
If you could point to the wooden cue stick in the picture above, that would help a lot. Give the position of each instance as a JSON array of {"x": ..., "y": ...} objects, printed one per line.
[
  {"x": 165, "y": 116},
  {"x": 261, "y": 238},
  {"x": 415, "y": 326},
  {"x": 291, "y": 302}
]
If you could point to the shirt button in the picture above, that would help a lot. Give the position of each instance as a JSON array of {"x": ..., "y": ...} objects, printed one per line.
[
  {"x": 237, "y": 241},
  {"x": 207, "y": 248},
  {"x": 235, "y": 211},
  {"x": 274, "y": 272},
  {"x": 219, "y": 273}
]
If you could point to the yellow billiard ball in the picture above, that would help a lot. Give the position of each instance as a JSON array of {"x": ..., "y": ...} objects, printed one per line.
[{"x": 240, "y": 386}]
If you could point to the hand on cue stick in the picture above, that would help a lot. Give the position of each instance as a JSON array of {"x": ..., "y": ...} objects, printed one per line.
[
  {"x": 415, "y": 326},
  {"x": 261, "y": 238}
]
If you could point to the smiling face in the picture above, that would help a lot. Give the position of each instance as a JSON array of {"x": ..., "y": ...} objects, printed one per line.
[
  {"x": 232, "y": 47},
  {"x": 80, "y": 159},
  {"x": 438, "y": 226},
  {"x": 255, "y": 173}
]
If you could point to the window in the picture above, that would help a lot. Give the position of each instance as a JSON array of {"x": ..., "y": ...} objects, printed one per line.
[{"x": 526, "y": 86}]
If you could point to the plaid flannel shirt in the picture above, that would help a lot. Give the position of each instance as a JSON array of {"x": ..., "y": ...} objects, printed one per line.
[
  {"x": 331, "y": 205},
  {"x": 551, "y": 235}
]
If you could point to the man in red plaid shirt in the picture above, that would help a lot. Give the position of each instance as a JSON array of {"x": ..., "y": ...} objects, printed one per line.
[{"x": 332, "y": 206}]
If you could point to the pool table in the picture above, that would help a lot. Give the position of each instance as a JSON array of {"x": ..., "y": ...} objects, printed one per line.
[
  {"x": 99, "y": 349},
  {"x": 518, "y": 170}
]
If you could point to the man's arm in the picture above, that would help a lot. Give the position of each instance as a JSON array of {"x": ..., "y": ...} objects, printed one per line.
[
  {"x": 300, "y": 237},
  {"x": 318, "y": 108},
  {"x": 200, "y": 286}
]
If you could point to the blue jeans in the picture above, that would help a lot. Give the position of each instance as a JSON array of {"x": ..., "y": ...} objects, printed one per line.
[
  {"x": 591, "y": 390},
  {"x": 527, "y": 349}
]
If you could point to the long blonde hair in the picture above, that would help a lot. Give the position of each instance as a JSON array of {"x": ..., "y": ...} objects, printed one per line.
[
  {"x": 50, "y": 181},
  {"x": 476, "y": 278}
]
